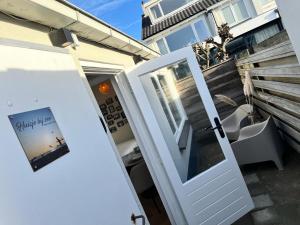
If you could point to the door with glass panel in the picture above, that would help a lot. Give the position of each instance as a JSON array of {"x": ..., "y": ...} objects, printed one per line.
[{"x": 185, "y": 127}]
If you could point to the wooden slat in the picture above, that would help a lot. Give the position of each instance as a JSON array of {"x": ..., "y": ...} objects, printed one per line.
[
  {"x": 295, "y": 145},
  {"x": 280, "y": 87},
  {"x": 287, "y": 118},
  {"x": 282, "y": 50},
  {"x": 287, "y": 105},
  {"x": 291, "y": 135},
  {"x": 288, "y": 71}
]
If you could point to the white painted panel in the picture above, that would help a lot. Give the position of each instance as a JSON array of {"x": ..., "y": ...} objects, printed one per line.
[{"x": 85, "y": 186}]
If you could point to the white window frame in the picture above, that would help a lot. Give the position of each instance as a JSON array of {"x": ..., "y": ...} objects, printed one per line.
[
  {"x": 178, "y": 128},
  {"x": 192, "y": 24},
  {"x": 230, "y": 5},
  {"x": 151, "y": 14},
  {"x": 154, "y": 20}
]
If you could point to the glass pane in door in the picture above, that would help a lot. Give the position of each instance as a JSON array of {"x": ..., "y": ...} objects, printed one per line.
[{"x": 176, "y": 103}]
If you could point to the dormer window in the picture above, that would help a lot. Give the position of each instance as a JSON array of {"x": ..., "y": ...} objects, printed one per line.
[
  {"x": 165, "y": 7},
  {"x": 156, "y": 12}
]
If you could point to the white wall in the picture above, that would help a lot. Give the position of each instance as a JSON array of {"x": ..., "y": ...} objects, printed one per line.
[
  {"x": 85, "y": 186},
  {"x": 289, "y": 11}
]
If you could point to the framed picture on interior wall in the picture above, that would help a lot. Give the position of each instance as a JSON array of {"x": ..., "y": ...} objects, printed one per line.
[
  {"x": 120, "y": 124},
  {"x": 104, "y": 112},
  {"x": 113, "y": 129},
  {"x": 109, "y": 101},
  {"x": 111, "y": 108},
  {"x": 40, "y": 136},
  {"x": 103, "y": 106},
  {"x": 109, "y": 117},
  {"x": 123, "y": 115},
  {"x": 117, "y": 116},
  {"x": 110, "y": 123},
  {"x": 119, "y": 108}
]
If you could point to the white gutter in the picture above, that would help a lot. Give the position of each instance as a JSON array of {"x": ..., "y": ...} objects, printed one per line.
[{"x": 61, "y": 14}]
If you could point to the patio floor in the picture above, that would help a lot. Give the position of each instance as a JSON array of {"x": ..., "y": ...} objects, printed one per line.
[{"x": 276, "y": 194}]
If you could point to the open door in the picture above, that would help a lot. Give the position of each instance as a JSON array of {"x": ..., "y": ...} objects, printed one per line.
[
  {"x": 181, "y": 117},
  {"x": 57, "y": 163}
]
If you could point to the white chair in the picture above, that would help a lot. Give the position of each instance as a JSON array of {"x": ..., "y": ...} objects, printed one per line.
[
  {"x": 258, "y": 143},
  {"x": 233, "y": 122}
]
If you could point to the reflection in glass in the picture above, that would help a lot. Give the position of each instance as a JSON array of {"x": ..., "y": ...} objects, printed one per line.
[
  {"x": 181, "y": 38},
  {"x": 182, "y": 118}
]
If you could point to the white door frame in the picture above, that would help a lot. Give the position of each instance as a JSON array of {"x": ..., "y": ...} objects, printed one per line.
[{"x": 144, "y": 140}]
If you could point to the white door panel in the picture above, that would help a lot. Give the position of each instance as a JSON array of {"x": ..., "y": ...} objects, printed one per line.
[
  {"x": 85, "y": 186},
  {"x": 205, "y": 176}
]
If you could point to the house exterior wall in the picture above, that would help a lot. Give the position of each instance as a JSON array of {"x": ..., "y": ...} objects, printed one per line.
[
  {"x": 258, "y": 16},
  {"x": 27, "y": 31}
]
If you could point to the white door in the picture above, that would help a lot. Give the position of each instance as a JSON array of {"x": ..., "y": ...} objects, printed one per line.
[
  {"x": 198, "y": 159},
  {"x": 77, "y": 178}
]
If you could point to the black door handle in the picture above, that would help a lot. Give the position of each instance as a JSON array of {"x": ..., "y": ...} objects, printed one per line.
[
  {"x": 134, "y": 217},
  {"x": 219, "y": 127}
]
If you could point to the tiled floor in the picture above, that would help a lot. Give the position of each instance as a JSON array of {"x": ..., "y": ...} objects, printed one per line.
[{"x": 276, "y": 193}]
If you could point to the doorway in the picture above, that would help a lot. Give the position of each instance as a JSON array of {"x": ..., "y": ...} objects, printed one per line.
[{"x": 107, "y": 95}]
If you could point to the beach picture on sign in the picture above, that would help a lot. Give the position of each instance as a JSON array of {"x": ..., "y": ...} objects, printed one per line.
[{"x": 39, "y": 136}]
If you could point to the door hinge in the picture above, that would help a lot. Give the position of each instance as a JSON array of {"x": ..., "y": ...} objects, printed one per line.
[{"x": 103, "y": 124}]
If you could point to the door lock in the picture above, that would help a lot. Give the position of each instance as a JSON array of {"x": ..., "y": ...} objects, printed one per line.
[{"x": 134, "y": 218}]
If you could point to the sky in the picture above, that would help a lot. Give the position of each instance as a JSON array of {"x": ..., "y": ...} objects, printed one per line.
[{"x": 124, "y": 15}]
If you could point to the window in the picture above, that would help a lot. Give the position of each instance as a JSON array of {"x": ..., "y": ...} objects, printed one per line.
[
  {"x": 181, "y": 38},
  {"x": 195, "y": 32},
  {"x": 168, "y": 6},
  {"x": 162, "y": 47},
  {"x": 240, "y": 10},
  {"x": 165, "y": 7},
  {"x": 266, "y": 33},
  {"x": 228, "y": 15},
  {"x": 170, "y": 99},
  {"x": 202, "y": 30},
  {"x": 156, "y": 13},
  {"x": 163, "y": 104},
  {"x": 235, "y": 13},
  {"x": 166, "y": 91}
]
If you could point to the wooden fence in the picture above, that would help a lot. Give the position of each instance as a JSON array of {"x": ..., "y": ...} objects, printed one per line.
[
  {"x": 221, "y": 79},
  {"x": 275, "y": 73}
]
